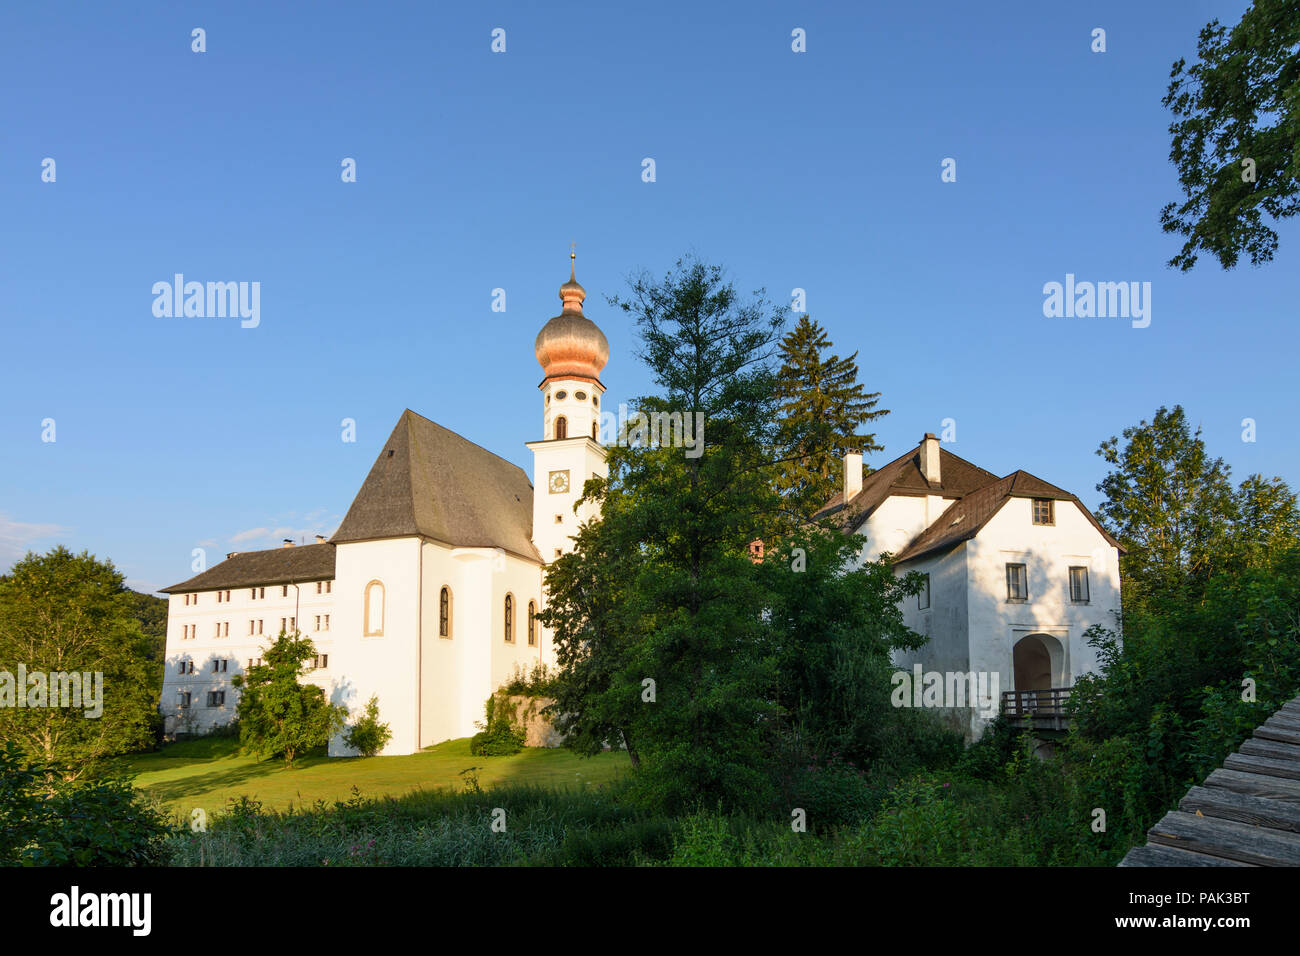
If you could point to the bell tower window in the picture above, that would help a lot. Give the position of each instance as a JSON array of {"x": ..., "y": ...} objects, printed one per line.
[{"x": 561, "y": 427}]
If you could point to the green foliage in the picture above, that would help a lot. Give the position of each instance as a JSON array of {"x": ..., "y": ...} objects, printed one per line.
[
  {"x": 368, "y": 735},
  {"x": 47, "y": 818},
  {"x": 538, "y": 681},
  {"x": 1240, "y": 101},
  {"x": 500, "y": 737},
  {"x": 65, "y": 612},
  {"x": 279, "y": 716},
  {"x": 822, "y": 407}
]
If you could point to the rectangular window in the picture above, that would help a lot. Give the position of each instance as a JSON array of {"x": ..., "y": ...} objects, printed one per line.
[
  {"x": 284, "y": 590},
  {"x": 216, "y": 698},
  {"x": 283, "y": 623},
  {"x": 293, "y": 624},
  {"x": 923, "y": 599},
  {"x": 1079, "y": 585},
  {"x": 318, "y": 622},
  {"x": 218, "y": 634},
  {"x": 1017, "y": 583},
  {"x": 318, "y": 586},
  {"x": 227, "y": 595},
  {"x": 327, "y": 623},
  {"x": 328, "y": 585},
  {"x": 225, "y": 629},
  {"x": 1044, "y": 511},
  {"x": 259, "y": 625},
  {"x": 183, "y": 698},
  {"x": 219, "y": 595}
]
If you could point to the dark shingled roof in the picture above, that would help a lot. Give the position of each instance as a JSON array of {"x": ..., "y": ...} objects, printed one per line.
[
  {"x": 903, "y": 476},
  {"x": 428, "y": 481},
  {"x": 964, "y": 518},
  {"x": 308, "y": 562}
]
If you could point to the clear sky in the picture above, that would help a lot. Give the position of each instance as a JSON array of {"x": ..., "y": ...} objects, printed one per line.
[{"x": 475, "y": 170}]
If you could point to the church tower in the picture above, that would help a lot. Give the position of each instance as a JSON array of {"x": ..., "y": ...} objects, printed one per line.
[{"x": 572, "y": 351}]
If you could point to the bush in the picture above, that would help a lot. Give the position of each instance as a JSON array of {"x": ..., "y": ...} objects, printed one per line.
[
  {"x": 499, "y": 736},
  {"x": 47, "y": 821},
  {"x": 368, "y": 736}
]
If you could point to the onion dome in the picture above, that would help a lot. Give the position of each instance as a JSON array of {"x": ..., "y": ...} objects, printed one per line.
[{"x": 571, "y": 345}]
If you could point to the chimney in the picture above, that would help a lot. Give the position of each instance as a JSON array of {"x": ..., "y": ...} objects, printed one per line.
[
  {"x": 320, "y": 539},
  {"x": 287, "y": 543},
  {"x": 930, "y": 459},
  {"x": 852, "y": 474}
]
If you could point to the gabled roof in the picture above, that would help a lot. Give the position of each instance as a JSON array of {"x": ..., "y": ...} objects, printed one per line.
[
  {"x": 964, "y": 518},
  {"x": 308, "y": 562},
  {"x": 903, "y": 476},
  {"x": 428, "y": 481}
]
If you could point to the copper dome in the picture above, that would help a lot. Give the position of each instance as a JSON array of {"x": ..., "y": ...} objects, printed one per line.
[{"x": 570, "y": 345}]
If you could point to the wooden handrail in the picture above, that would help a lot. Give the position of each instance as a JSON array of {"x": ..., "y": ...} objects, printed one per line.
[{"x": 1046, "y": 702}]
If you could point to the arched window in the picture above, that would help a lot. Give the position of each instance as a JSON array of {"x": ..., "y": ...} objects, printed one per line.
[
  {"x": 444, "y": 612},
  {"x": 374, "y": 610},
  {"x": 561, "y": 427},
  {"x": 510, "y": 618},
  {"x": 532, "y": 624},
  {"x": 593, "y": 429}
]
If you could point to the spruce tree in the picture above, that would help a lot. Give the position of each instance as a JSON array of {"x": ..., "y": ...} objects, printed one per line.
[{"x": 822, "y": 408}]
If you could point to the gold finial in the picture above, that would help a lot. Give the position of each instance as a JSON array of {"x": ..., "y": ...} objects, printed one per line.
[{"x": 573, "y": 261}]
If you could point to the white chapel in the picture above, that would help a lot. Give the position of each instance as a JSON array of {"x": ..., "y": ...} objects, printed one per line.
[{"x": 426, "y": 595}]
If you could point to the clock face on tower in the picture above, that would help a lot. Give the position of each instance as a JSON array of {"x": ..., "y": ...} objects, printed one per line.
[{"x": 559, "y": 482}]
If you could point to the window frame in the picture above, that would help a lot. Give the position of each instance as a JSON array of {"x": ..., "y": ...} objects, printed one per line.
[
  {"x": 1051, "y": 511},
  {"x": 1021, "y": 578},
  {"x": 1087, "y": 585},
  {"x": 924, "y": 595}
]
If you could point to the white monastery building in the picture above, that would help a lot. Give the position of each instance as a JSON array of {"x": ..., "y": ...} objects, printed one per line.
[
  {"x": 426, "y": 594},
  {"x": 1016, "y": 571}
]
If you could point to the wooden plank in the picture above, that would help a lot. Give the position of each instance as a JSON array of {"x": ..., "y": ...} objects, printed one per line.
[
  {"x": 1255, "y": 785},
  {"x": 1155, "y": 855},
  {"x": 1282, "y": 722},
  {"x": 1267, "y": 766},
  {"x": 1288, "y": 736},
  {"x": 1270, "y": 748},
  {"x": 1227, "y": 839},
  {"x": 1257, "y": 811}
]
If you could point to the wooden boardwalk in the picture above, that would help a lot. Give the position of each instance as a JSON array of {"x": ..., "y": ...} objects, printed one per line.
[{"x": 1246, "y": 814}]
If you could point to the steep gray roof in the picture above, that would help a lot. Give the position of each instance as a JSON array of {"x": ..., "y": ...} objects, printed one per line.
[
  {"x": 428, "y": 481},
  {"x": 308, "y": 562}
]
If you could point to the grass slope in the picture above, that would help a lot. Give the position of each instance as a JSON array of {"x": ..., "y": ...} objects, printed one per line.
[{"x": 209, "y": 773}]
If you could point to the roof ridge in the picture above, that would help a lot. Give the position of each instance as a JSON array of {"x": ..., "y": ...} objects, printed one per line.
[{"x": 458, "y": 435}]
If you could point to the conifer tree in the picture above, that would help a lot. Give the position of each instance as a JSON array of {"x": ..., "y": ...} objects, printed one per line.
[{"x": 822, "y": 408}]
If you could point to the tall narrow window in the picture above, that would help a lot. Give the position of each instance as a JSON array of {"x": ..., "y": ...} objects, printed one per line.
[
  {"x": 923, "y": 598},
  {"x": 510, "y": 618},
  {"x": 532, "y": 624},
  {"x": 444, "y": 612},
  {"x": 593, "y": 429},
  {"x": 374, "y": 609},
  {"x": 1079, "y": 585},
  {"x": 561, "y": 427},
  {"x": 1017, "y": 583}
]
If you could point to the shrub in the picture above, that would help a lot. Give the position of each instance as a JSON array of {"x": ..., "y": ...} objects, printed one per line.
[
  {"x": 499, "y": 736},
  {"x": 46, "y": 820},
  {"x": 368, "y": 736}
]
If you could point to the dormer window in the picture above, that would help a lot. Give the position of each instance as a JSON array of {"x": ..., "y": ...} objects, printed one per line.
[{"x": 1044, "y": 511}]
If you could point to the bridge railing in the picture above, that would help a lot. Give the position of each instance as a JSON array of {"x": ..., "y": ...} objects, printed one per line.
[{"x": 1047, "y": 702}]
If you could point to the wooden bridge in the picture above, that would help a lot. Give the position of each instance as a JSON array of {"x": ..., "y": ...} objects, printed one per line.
[
  {"x": 1246, "y": 814},
  {"x": 1044, "y": 709}
]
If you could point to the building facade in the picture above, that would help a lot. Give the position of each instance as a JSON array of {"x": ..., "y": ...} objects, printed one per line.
[
  {"x": 1016, "y": 571},
  {"x": 426, "y": 595}
]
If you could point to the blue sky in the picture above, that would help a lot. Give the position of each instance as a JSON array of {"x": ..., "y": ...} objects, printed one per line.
[{"x": 475, "y": 170}]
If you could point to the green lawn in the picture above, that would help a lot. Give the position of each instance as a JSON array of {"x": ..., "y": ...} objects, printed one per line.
[{"x": 207, "y": 773}]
